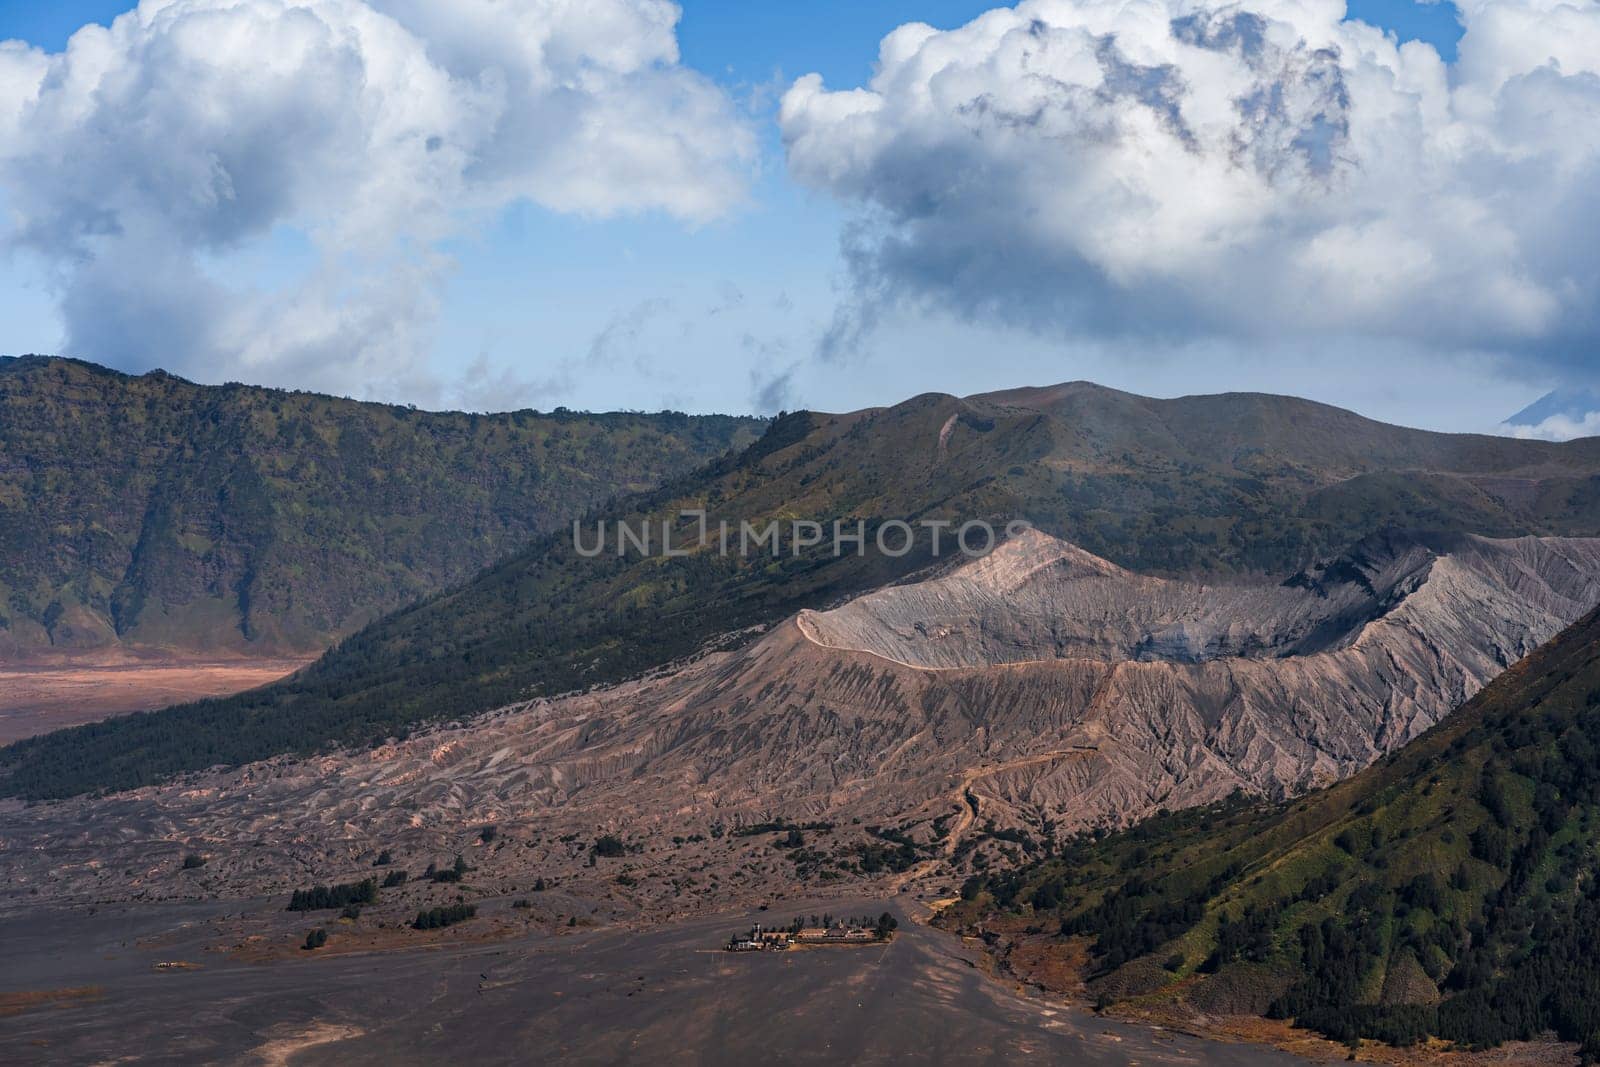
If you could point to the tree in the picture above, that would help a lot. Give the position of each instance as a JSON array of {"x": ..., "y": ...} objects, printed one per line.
[
  {"x": 452, "y": 873},
  {"x": 315, "y": 939},
  {"x": 323, "y": 897},
  {"x": 449, "y": 915},
  {"x": 887, "y": 924},
  {"x": 193, "y": 860}
]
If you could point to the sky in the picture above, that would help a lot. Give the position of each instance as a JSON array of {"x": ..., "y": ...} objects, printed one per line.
[{"x": 737, "y": 206}]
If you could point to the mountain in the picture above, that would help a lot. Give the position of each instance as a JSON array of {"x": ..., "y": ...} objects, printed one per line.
[
  {"x": 1216, "y": 489},
  {"x": 1451, "y": 890},
  {"x": 152, "y": 513},
  {"x": 1004, "y": 703},
  {"x": 1558, "y": 415}
]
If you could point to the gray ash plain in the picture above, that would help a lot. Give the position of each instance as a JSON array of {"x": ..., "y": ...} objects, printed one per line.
[{"x": 662, "y": 994}]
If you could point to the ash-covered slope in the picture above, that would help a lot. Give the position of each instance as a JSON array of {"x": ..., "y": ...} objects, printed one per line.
[
  {"x": 1449, "y": 892},
  {"x": 1021, "y": 691},
  {"x": 1152, "y": 693},
  {"x": 1041, "y": 598}
]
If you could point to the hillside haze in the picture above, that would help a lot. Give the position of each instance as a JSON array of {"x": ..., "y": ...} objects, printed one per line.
[
  {"x": 149, "y": 513},
  {"x": 1219, "y": 489}
]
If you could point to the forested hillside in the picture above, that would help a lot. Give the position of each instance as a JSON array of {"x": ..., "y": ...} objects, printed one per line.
[
  {"x": 152, "y": 512},
  {"x": 1210, "y": 486},
  {"x": 1451, "y": 890}
]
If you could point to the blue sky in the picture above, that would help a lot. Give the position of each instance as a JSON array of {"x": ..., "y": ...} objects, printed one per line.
[
  {"x": 748, "y": 41},
  {"x": 648, "y": 309}
]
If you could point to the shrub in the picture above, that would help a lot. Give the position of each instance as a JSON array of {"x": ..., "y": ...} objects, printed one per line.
[{"x": 609, "y": 847}]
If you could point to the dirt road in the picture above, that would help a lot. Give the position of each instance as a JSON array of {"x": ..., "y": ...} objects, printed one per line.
[{"x": 970, "y": 806}]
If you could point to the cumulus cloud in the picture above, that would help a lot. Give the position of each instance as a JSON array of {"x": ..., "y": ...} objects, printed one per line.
[
  {"x": 147, "y": 163},
  {"x": 1255, "y": 171}
]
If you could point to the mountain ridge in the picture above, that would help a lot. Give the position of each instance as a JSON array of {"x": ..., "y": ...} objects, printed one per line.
[
  {"x": 150, "y": 513},
  {"x": 1197, "y": 500},
  {"x": 1183, "y": 729}
]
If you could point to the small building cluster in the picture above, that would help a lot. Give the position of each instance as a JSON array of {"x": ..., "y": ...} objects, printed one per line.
[{"x": 764, "y": 939}]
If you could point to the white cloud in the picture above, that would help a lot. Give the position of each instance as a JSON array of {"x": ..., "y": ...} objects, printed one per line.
[
  {"x": 146, "y": 160},
  {"x": 1556, "y": 428},
  {"x": 1260, "y": 171}
]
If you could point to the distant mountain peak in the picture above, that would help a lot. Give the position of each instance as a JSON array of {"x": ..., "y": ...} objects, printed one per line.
[{"x": 1559, "y": 415}]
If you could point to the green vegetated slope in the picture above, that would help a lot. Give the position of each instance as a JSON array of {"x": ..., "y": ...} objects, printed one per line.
[
  {"x": 1450, "y": 890},
  {"x": 150, "y": 511},
  {"x": 1209, "y": 485}
]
